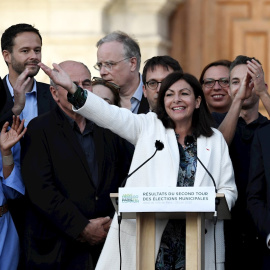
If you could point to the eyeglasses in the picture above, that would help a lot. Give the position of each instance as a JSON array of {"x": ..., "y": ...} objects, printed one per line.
[
  {"x": 209, "y": 83},
  {"x": 97, "y": 80},
  {"x": 108, "y": 65},
  {"x": 152, "y": 84}
]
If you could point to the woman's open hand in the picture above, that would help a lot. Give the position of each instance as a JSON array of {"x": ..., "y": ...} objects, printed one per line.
[{"x": 9, "y": 138}]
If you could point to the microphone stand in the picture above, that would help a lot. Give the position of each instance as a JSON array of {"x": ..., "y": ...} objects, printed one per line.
[
  {"x": 159, "y": 146},
  {"x": 217, "y": 201}
]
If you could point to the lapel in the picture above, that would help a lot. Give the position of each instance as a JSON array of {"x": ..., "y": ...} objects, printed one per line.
[
  {"x": 204, "y": 149},
  {"x": 99, "y": 141},
  {"x": 9, "y": 102},
  {"x": 43, "y": 98},
  {"x": 144, "y": 106},
  {"x": 3, "y": 95},
  {"x": 70, "y": 137},
  {"x": 174, "y": 153}
]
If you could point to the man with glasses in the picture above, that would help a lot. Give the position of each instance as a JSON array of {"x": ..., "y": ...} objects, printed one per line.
[
  {"x": 215, "y": 83},
  {"x": 118, "y": 61},
  {"x": 247, "y": 88},
  {"x": 154, "y": 72}
]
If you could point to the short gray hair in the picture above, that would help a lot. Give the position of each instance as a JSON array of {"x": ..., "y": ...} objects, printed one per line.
[
  {"x": 53, "y": 84},
  {"x": 130, "y": 45}
]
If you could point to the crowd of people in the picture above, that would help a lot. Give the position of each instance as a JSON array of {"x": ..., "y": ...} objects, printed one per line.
[{"x": 66, "y": 146}]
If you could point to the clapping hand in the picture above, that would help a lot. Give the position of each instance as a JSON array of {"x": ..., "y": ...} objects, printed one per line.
[
  {"x": 255, "y": 71},
  {"x": 9, "y": 138},
  {"x": 22, "y": 85},
  {"x": 246, "y": 88}
]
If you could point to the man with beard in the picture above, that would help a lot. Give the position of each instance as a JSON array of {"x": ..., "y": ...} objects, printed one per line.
[
  {"x": 247, "y": 87},
  {"x": 154, "y": 72},
  {"x": 21, "y": 48}
]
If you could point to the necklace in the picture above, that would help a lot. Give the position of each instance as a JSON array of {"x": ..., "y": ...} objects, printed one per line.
[{"x": 177, "y": 137}]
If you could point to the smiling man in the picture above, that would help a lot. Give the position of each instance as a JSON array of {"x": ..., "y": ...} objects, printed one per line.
[
  {"x": 21, "y": 49},
  {"x": 154, "y": 72},
  {"x": 247, "y": 88}
]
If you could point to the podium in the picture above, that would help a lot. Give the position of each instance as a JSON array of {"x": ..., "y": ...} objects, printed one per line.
[{"x": 195, "y": 231}]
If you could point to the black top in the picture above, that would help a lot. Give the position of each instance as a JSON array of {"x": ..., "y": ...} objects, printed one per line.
[{"x": 240, "y": 155}]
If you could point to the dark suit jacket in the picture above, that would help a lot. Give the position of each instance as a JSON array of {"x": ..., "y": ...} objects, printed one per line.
[
  {"x": 45, "y": 102},
  {"x": 62, "y": 195},
  {"x": 3, "y": 95},
  {"x": 144, "y": 106},
  {"x": 258, "y": 189}
]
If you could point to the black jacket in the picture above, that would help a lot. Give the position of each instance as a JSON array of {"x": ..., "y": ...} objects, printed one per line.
[{"x": 61, "y": 192}]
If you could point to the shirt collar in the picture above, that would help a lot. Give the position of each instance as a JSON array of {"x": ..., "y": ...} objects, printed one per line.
[
  {"x": 259, "y": 121},
  {"x": 139, "y": 92},
  {"x": 34, "y": 89},
  {"x": 88, "y": 127}
]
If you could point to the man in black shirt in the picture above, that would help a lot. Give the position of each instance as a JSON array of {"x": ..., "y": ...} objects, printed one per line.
[
  {"x": 247, "y": 87},
  {"x": 69, "y": 166}
]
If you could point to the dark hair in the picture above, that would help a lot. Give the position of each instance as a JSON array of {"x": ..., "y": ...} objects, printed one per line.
[
  {"x": 241, "y": 60},
  {"x": 201, "y": 118},
  {"x": 131, "y": 46},
  {"x": 225, "y": 63},
  {"x": 7, "y": 39},
  {"x": 164, "y": 61},
  {"x": 113, "y": 87}
]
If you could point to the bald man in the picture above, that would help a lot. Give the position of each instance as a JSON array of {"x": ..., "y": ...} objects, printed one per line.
[{"x": 69, "y": 166}]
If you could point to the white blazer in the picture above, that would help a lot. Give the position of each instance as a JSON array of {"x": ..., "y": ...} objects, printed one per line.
[{"x": 143, "y": 130}]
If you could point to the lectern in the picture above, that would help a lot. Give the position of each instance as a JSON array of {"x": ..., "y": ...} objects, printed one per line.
[{"x": 145, "y": 231}]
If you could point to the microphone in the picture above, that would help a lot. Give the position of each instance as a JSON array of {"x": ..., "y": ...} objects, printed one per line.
[
  {"x": 159, "y": 146},
  {"x": 217, "y": 201}
]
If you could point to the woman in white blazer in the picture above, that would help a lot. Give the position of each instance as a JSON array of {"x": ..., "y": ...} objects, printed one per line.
[{"x": 183, "y": 123}]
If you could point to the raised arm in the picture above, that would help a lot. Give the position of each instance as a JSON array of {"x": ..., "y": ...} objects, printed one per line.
[{"x": 228, "y": 125}]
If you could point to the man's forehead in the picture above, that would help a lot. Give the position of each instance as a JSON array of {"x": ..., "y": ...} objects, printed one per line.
[
  {"x": 110, "y": 51},
  {"x": 26, "y": 37},
  {"x": 238, "y": 71},
  {"x": 158, "y": 70},
  {"x": 76, "y": 71}
]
